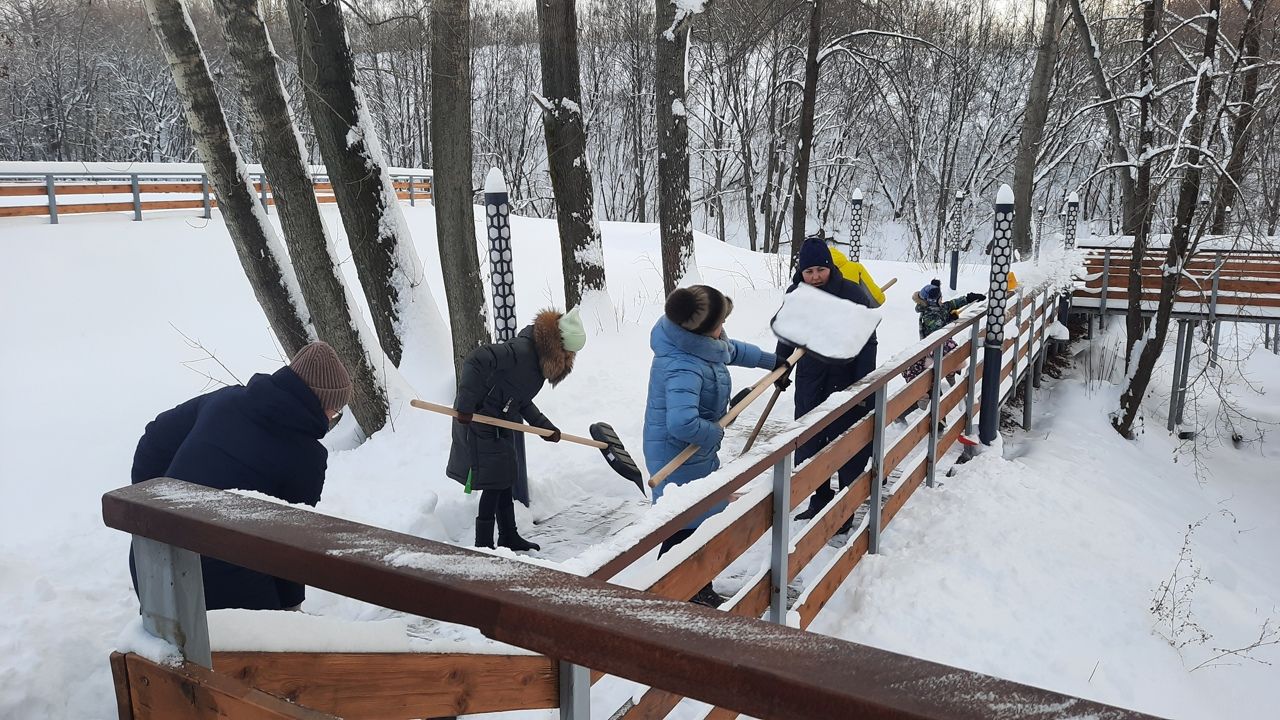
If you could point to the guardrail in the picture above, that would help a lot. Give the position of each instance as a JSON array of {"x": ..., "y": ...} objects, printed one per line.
[
  {"x": 138, "y": 192},
  {"x": 730, "y": 659}
]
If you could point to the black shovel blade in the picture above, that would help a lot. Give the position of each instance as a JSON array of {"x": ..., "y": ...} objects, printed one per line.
[{"x": 616, "y": 455}]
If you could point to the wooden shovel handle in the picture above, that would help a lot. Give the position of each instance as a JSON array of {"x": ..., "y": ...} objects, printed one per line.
[
  {"x": 888, "y": 285},
  {"x": 756, "y": 391},
  {"x": 498, "y": 422}
]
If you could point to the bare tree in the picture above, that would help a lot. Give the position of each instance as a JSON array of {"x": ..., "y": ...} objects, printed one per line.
[
  {"x": 804, "y": 138},
  {"x": 675, "y": 222},
  {"x": 261, "y": 254},
  {"x": 1033, "y": 120},
  {"x": 451, "y": 186},
  {"x": 336, "y": 316},
  {"x": 1249, "y": 50},
  {"x": 581, "y": 248},
  {"x": 385, "y": 259}
]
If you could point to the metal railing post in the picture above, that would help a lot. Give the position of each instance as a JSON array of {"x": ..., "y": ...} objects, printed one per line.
[
  {"x": 411, "y": 187},
  {"x": 877, "y": 477},
  {"x": 1106, "y": 283},
  {"x": 52, "y": 192},
  {"x": 1214, "y": 325},
  {"x": 137, "y": 198},
  {"x": 171, "y": 593},
  {"x": 781, "y": 541},
  {"x": 1177, "y": 374},
  {"x": 1186, "y": 371},
  {"x": 575, "y": 692},
  {"x": 204, "y": 196},
  {"x": 970, "y": 396},
  {"x": 935, "y": 395},
  {"x": 262, "y": 192}
]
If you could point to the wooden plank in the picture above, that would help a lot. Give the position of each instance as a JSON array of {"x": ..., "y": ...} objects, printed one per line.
[
  {"x": 120, "y": 677},
  {"x": 917, "y": 475},
  {"x": 1197, "y": 298},
  {"x": 817, "y": 533},
  {"x": 186, "y": 188},
  {"x": 708, "y": 561},
  {"x": 24, "y": 190},
  {"x": 827, "y": 585},
  {"x": 655, "y": 704},
  {"x": 191, "y": 692},
  {"x": 398, "y": 686},
  {"x": 25, "y": 210},
  {"x": 822, "y": 466}
]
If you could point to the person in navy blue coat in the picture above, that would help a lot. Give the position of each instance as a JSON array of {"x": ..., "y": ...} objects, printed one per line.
[
  {"x": 689, "y": 389},
  {"x": 816, "y": 379},
  {"x": 264, "y": 436}
]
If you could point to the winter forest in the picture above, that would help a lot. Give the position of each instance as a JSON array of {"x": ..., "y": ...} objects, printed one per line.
[
  {"x": 913, "y": 102},
  {"x": 939, "y": 338}
]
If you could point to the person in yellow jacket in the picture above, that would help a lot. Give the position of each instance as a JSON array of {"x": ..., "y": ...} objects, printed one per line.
[{"x": 853, "y": 271}]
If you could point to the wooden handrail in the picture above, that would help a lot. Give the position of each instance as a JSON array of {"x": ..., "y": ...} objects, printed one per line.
[{"x": 680, "y": 647}]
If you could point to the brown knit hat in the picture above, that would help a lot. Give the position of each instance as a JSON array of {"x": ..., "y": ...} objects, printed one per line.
[
  {"x": 319, "y": 367},
  {"x": 698, "y": 308}
]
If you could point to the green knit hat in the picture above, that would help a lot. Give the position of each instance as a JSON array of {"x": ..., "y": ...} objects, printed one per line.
[{"x": 572, "y": 334}]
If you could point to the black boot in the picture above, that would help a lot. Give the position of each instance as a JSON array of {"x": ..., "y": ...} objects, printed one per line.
[
  {"x": 484, "y": 532},
  {"x": 819, "y": 500},
  {"x": 508, "y": 537},
  {"x": 709, "y": 597}
]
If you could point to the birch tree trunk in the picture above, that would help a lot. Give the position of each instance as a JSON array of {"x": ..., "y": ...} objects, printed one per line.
[
  {"x": 451, "y": 184},
  {"x": 261, "y": 253},
  {"x": 336, "y": 316},
  {"x": 581, "y": 249},
  {"x": 675, "y": 221},
  {"x": 381, "y": 248},
  {"x": 1037, "y": 111},
  {"x": 804, "y": 139}
]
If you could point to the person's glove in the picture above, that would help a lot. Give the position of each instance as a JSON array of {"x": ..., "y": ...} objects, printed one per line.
[
  {"x": 464, "y": 418},
  {"x": 783, "y": 382},
  {"x": 739, "y": 397},
  {"x": 975, "y": 297},
  {"x": 553, "y": 437}
]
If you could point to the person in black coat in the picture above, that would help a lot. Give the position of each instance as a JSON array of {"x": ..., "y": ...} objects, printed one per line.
[
  {"x": 817, "y": 379},
  {"x": 264, "y": 436},
  {"x": 501, "y": 380}
]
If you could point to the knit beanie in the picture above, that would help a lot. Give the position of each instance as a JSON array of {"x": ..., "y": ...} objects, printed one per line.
[
  {"x": 932, "y": 292},
  {"x": 698, "y": 308},
  {"x": 814, "y": 253},
  {"x": 319, "y": 367},
  {"x": 572, "y": 334}
]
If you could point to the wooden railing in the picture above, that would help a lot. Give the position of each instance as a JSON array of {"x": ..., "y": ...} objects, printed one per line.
[
  {"x": 914, "y": 453},
  {"x": 730, "y": 659},
  {"x": 1229, "y": 284},
  {"x": 63, "y": 193}
]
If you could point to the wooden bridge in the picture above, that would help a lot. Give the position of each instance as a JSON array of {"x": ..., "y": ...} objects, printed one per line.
[{"x": 584, "y": 628}]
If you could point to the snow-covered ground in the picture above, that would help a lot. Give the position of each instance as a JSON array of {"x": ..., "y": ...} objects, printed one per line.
[{"x": 1037, "y": 569}]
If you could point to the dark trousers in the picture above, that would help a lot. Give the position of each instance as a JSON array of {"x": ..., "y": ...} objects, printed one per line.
[{"x": 856, "y": 465}]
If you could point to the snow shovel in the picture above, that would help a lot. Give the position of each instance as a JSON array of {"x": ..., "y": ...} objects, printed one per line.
[
  {"x": 803, "y": 322},
  {"x": 755, "y": 432},
  {"x": 603, "y": 438}
]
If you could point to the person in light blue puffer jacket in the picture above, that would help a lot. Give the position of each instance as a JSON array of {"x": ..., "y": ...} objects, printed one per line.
[{"x": 689, "y": 387}]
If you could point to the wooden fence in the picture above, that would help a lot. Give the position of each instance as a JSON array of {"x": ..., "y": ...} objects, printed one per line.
[
  {"x": 95, "y": 192},
  {"x": 729, "y": 659}
]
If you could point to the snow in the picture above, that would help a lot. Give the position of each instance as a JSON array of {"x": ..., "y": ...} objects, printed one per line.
[
  {"x": 494, "y": 182},
  {"x": 677, "y": 108},
  {"x": 134, "y": 638},
  {"x": 857, "y": 194},
  {"x": 1040, "y": 567},
  {"x": 1005, "y": 195},
  {"x": 808, "y": 315}
]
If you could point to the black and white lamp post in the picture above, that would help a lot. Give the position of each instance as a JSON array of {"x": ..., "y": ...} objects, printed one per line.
[
  {"x": 997, "y": 299},
  {"x": 955, "y": 238},
  {"x": 855, "y": 226},
  {"x": 497, "y": 210}
]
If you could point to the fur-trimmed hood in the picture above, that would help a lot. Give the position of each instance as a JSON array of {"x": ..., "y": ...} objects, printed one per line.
[{"x": 556, "y": 362}]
